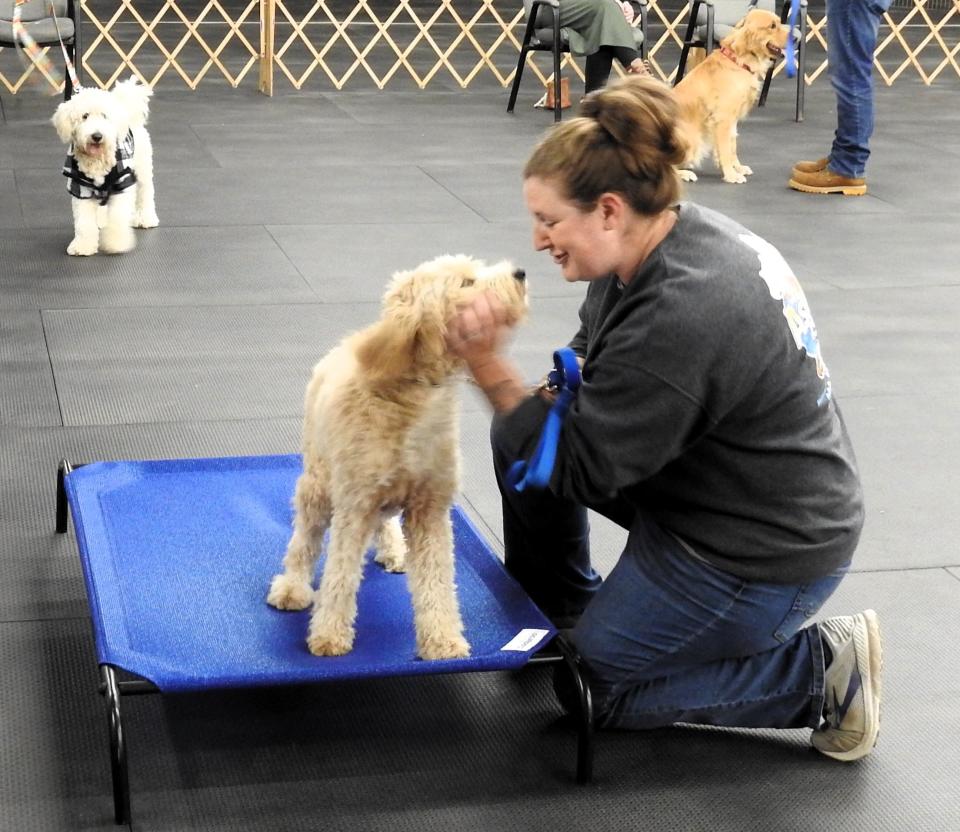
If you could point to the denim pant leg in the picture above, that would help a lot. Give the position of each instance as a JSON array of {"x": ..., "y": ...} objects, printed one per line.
[
  {"x": 547, "y": 537},
  {"x": 669, "y": 638},
  {"x": 852, "y": 27}
]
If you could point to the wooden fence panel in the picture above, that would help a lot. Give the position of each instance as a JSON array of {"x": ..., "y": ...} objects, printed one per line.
[{"x": 337, "y": 44}]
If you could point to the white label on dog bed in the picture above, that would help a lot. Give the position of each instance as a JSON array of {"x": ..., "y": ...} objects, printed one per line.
[{"x": 525, "y": 640}]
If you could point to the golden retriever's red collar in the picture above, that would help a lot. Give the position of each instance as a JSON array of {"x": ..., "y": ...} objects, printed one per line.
[{"x": 727, "y": 52}]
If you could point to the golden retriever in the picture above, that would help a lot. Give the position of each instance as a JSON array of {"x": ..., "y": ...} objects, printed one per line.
[
  {"x": 723, "y": 88},
  {"x": 380, "y": 437}
]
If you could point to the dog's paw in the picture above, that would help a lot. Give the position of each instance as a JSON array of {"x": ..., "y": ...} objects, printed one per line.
[
  {"x": 287, "y": 593},
  {"x": 746, "y": 170},
  {"x": 686, "y": 175},
  {"x": 117, "y": 239},
  {"x": 323, "y": 642},
  {"x": 146, "y": 219},
  {"x": 443, "y": 647},
  {"x": 82, "y": 247},
  {"x": 391, "y": 560},
  {"x": 734, "y": 178}
]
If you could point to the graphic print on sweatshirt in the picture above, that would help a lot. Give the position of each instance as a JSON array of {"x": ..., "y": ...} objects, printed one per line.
[{"x": 784, "y": 286}]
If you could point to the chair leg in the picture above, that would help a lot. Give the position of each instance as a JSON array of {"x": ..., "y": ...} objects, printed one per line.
[
  {"x": 524, "y": 51},
  {"x": 516, "y": 77},
  {"x": 802, "y": 60},
  {"x": 687, "y": 41},
  {"x": 643, "y": 28},
  {"x": 708, "y": 40},
  {"x": 557, "y": 102},
  {"x": 766, "y": 87}
]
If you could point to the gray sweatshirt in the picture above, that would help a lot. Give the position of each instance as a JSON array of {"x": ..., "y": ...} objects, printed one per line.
[{"x": 707, "y": 404}]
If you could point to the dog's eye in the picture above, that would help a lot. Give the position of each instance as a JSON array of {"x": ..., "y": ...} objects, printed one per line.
[
  {"x": 468, "y": 281},
  {"x": 85, "y": 116}
]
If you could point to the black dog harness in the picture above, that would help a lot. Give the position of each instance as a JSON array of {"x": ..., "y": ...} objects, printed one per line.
[{"x": 119, "y": 178}]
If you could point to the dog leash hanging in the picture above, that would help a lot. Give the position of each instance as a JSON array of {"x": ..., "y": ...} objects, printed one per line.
[
  {"x": 28, "y": 48},
  {"x": 566, "y": 378},
  {"x": 790, "y": 59}
]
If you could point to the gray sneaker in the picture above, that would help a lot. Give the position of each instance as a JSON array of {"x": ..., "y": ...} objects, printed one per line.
[{"x": 852, "y": 687}]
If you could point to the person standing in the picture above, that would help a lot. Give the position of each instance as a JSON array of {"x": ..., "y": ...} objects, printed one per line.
[{"x": 852, "y": 27}]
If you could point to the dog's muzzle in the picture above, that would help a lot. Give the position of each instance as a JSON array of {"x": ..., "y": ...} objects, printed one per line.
[{"x": 519, "y": 274}]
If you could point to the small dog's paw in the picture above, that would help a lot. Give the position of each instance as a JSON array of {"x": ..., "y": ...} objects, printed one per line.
[
  {"x": 330, "y": 643},
  {"x": 390, "y": 560},
  {"x": 441, "y": 647},
  {"x": 117, "y": 239},
  {"x": 734, "y": 178},
  {"x": 686, "y": 175},
  {"x": 746, "y": 170},
  {"x": 146, "y": 219},
  {"x": 82, "y": 247},
  {"x": 287, "y": 593}
]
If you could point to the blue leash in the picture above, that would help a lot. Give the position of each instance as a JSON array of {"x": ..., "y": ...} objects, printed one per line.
[
  {"x": 790, "y": 60},
  {"x": 566, "y": 378}
]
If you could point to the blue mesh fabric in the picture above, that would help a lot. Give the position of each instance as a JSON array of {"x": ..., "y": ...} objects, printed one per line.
[{"x": 178, "y": 556}]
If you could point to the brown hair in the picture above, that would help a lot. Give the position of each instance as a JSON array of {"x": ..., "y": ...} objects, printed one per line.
[{"x": 624, "y": 141}]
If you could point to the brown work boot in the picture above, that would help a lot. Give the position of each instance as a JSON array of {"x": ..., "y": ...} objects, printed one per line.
[
  {"x": 811, "y": 167},
  {"x": 827, "y": 182}
]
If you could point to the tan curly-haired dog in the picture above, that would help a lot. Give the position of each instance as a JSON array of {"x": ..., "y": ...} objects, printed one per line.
[{"x": 381, "y": 438}]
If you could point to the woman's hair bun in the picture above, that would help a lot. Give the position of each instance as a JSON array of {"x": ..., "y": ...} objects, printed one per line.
[{"x": 639, "y": 114}]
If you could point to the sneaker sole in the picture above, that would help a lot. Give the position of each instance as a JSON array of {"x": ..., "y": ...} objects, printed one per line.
[
  {"x": 846, "y": 190},
  {"x": 868, "y": 644}
]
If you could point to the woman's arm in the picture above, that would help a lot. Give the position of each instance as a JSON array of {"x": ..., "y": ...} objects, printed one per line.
[{"x": 477, "y": 335}]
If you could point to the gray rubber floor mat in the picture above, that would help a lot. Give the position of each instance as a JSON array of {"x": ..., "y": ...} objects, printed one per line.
[
  {"x": 231, "y": 265},
  {"x": 201, "y": 341},
  {"x": 27, "y": 394}
]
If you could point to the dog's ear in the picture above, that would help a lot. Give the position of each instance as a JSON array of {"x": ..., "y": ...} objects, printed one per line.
[
  {"x": 63, "y": 120},
  {"x": 387, "y": 348},
  {"x": 742, "y": 39},
  {"x": 386, "y": 352},
  {"x": 134, "y": 98}
]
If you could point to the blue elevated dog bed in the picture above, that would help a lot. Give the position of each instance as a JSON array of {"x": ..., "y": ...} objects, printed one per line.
[{"x": 177, "y": 558}]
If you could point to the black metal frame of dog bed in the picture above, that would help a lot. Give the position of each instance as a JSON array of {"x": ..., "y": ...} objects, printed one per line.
[{"x": 113, "y": 689}]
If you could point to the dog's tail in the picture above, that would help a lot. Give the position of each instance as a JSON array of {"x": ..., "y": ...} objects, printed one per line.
[{"x": 135, "y": 98}]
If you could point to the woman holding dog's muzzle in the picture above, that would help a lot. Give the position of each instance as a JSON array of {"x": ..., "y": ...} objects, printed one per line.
[{"x": 706, "y": 426}]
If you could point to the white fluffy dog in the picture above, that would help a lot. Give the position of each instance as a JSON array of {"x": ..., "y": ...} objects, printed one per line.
[
  {"x": 381, "y": 438},
  {"x": 109, "y": 166}
]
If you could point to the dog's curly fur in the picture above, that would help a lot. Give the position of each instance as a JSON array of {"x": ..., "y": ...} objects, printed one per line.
[
  {"x": 381, "y": 438},
  {"x": 719, "y": 92},
  {"x": 93, "y": 122}
]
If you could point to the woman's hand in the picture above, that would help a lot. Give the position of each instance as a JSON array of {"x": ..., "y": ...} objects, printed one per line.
[
  {"x": 628, "y": 11},
  {"x": 477, "y": 332}
]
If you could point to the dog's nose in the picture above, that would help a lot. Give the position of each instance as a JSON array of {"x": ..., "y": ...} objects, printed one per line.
[
  {"x": 97, "y": 137},
  {"x": 520, "y": 274}
]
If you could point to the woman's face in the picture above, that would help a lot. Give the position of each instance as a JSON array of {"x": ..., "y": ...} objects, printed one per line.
[{"x": 577, "y": 240}]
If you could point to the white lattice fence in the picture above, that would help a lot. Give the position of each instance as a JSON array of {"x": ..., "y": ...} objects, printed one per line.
[{"x": 378, "y": 43}]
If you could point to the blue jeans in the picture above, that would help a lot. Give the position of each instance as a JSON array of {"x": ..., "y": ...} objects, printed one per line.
[
  {"x": 667, "y": 637},
  {"x": 852, "y": 27}
]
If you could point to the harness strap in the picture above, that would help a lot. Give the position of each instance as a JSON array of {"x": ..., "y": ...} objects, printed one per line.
[{"x": 566, "y": 377}]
